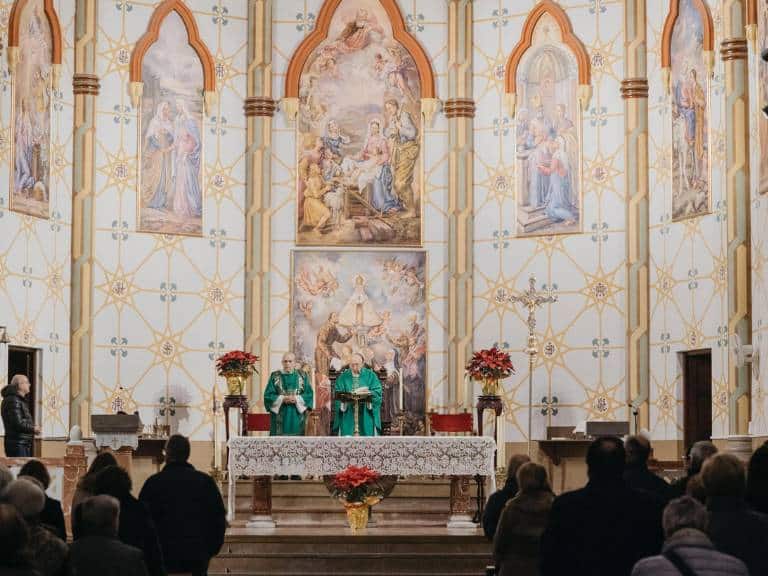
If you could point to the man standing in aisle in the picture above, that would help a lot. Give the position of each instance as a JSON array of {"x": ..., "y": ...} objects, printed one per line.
[{"x": 19, "y": 427}]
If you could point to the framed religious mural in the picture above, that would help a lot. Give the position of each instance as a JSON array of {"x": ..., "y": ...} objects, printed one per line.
[
  {"x": 32, "y": 91},
  {"x": 359, "y": 134},
  {"x": 762, "y": 92},
  {"x": 548, "y": 74},
  {"x": 373, "y": 303},
  {"x": 170, "y": 199},
  {"x": 685, "y": 44}
]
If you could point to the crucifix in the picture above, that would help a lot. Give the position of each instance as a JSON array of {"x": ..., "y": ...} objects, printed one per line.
[{"x": 531, "y": 299}]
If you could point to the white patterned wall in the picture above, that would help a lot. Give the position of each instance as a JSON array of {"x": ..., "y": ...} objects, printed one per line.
[
  {"x": 689, "y": 301},
  {"x": 427, "y": 20},
  {"x": 166, "y": 305},
  {"x": 34, "y": 252},
  {"x": 582, "y": 337}
]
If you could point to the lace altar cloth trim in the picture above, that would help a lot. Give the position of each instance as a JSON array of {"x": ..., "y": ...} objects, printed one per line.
[
  {"x": 117, "y": 441},
  {"x": 388, "y": 455}
]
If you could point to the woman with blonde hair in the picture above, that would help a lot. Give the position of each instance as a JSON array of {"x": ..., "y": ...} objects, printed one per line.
[{"x": 522, "y": 522}]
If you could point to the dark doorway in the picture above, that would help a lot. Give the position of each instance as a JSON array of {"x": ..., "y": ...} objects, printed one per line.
[
  {"x": 697, "y": 395},
  {"x": 23, "y": 360}
]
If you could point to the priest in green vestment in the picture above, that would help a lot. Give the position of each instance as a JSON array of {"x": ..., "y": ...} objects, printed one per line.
[
  {"x": 287, "y": 398},
  {"x": 358, "y": 377}
]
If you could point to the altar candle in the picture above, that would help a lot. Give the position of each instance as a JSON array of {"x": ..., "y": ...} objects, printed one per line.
[
  {"x": 469, "y": 395},
  {"x": 501, "y": 452},
  {"x": 402, "y": 390},
  {"x": 216, "y": 450}
]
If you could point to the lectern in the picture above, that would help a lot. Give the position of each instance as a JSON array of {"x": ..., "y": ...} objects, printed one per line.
[
  {"x": 120, "y": 432},
  {"x": 356, "y": 400}
]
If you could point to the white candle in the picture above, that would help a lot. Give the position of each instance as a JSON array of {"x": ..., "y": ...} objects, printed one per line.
[
  {"x": 501, "y": 452},
  {"x": 469, "y": 395},
  {"x": 402, "y": 390}
]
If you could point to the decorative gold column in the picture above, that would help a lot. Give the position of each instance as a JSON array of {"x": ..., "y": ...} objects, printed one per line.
[
  {"x": 460, "y": 110},
  {"x": 259, "y": 109},
  {"x": 634, "y": 91},
  {"x": 733, "y": 50},
  {"x": 85, "y": 85}
]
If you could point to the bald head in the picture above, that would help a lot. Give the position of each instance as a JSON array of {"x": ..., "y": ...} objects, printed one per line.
[
  {"x": 289, "y": 362},
  {"x": 356, "y": 363},
  {"x": 27, "y": 496}
]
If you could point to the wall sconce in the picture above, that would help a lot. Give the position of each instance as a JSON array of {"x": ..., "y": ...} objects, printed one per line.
[{"x": 4, "y": 339}]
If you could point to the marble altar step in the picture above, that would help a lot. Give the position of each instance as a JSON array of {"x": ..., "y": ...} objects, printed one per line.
[
  {"x": 413, "y": 502},
  {"x": 337, "y": 551}
]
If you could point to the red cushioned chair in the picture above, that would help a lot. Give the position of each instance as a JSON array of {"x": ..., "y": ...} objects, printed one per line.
[
  {"x": 458, "y": 424},
  {"x": 257, "y": 422}
]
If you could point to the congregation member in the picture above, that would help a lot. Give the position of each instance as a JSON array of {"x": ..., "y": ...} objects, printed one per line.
[
  {"x": 517, "y": 540},
  {"x": 499, "y": 499},
  {"x": 48, "y": 552},
  {"x": 15, "y": 559},
  {"x": 187, "y": 510},
  {"x": 357, "y": 377},
  {"x": 84, "y": 489},
  {"x": 19, "y": 426},
  {"x": 135, "y": 527},
  {"x": 5, "y": 477},
  {"x": 52, "y": 515},
  {"x": 757, "y": 480},
  {"x": 97, "y": 551},
  {"x": 687, "y": 548},
  {"x": 636, "y": 473},
  {"x": 697, "y": 455},
  {"x": 605, "y": 527},
  {"x": 733, "y": 527}
]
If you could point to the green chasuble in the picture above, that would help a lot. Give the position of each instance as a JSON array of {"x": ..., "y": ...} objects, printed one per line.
[
  {"x": 287, "y": 419},
  {"x": 370, "y": 414}
]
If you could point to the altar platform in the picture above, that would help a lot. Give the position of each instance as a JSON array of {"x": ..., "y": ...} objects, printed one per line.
[{"x": 325, "y": 550}]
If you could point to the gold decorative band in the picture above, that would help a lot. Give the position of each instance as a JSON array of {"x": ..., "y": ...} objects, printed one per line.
[
  {"x": 734, "y": 49},
  {"x": 86, "y": 84},
  {"x": 634, "y": 88},
  {"x": 459, "y": 108},
  {"x": 259, "y": 106}
]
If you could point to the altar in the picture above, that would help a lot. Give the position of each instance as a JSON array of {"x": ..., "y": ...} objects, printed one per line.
[{"x": 457, "y": 457}]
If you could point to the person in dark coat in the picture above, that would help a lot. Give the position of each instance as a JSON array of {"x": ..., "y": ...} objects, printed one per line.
[
  {"x": 97, "y": 551},
  {"x": 636, "y": 473},
  {"x": 733, "y": 527},
  {"x": 136, "y": 527},
  {"x": 15, "y": 558},
  {"x": 605, "y": 527},
  {"x": 685, "y": 526},
  {"x": 84, "y": 487},
  {"x": 517, "y": 540},
  {"x": 188, "y": 511},
  {"x": 19, "y": 427},
  {"x": 499, "y": 499},
  {"x": 757, "y": 480},
  {"x": 52, "y": 516},
  {"x": 697, "y": 455}
]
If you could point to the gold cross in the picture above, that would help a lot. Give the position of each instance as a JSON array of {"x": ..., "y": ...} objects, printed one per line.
[{"x": 532, "y": 299}]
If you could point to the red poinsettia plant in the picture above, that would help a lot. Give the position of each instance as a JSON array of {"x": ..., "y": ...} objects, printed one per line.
[
  {"x": 490, "y": 363},
  {"x": 235, "y": 362},
  {"x": 356, "y": 484}
]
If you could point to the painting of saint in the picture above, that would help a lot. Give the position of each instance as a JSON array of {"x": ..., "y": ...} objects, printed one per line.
[
  {"x": 171, "y": 198},
  {"x": 762, "y": 31},
  {"x": 32, "y": 113},
  {"x": 359, "y": 125},
  {"x": 690, "y": 128},
  {"x": 373, "y": 303},
  {"x": 547, "y": 148}
]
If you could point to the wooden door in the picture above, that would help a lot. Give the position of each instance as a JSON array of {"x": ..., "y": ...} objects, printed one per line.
[
  {"x": 697, "y": 396},
  {"x": 22, "y": 360}
]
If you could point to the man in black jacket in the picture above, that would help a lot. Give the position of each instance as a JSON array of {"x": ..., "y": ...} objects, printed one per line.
[
  {"x": 636, "y": 474},
  {"x": 188, "y": 511},
  {"x": 605, "y": 527},
  {"x": 19, "y": 427}
]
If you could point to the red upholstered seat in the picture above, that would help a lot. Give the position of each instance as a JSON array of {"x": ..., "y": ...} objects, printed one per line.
[
  {"x": 451, "y": 423},
  {"x": 257, "y": 422}
]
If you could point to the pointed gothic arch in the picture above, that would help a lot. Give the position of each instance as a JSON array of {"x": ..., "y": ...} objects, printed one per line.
[
  {"x": 193, "y": 34},
  {"x": 14, "y": 24},
  {"x": 526, "y": 41},
  {"x": 708, "y": 29},
  {"x": 320, "y": 34}
]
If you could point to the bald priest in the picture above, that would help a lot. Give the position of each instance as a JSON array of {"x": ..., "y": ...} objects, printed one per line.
[
  {"x": 287, "y": 398},
  {"x": 358, "y": 379}
]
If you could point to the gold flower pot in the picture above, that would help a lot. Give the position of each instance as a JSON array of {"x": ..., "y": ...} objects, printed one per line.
[
  {"x": 236, "y": 383},
  {"x": 357, "y": 515},
  {"x": 490, "y": 386}
]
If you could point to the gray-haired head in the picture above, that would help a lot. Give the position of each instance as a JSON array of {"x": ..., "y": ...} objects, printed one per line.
[
  {"x": 99, "y": 516},
  {"x": 684, "y": 512},
  {"x": 700, "y": 452},
  {"x": 27, "y": 496},
  {"x": 21, "y": 384}
]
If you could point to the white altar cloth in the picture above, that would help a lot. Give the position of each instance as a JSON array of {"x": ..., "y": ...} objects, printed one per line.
[{"x": 388, "y": 455}]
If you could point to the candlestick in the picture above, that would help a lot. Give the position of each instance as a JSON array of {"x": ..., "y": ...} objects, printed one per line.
[
  {"x": 469, "y": 394},
  {"x": 402, "y": 390},
  {"x": 501, "y": 449}
]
